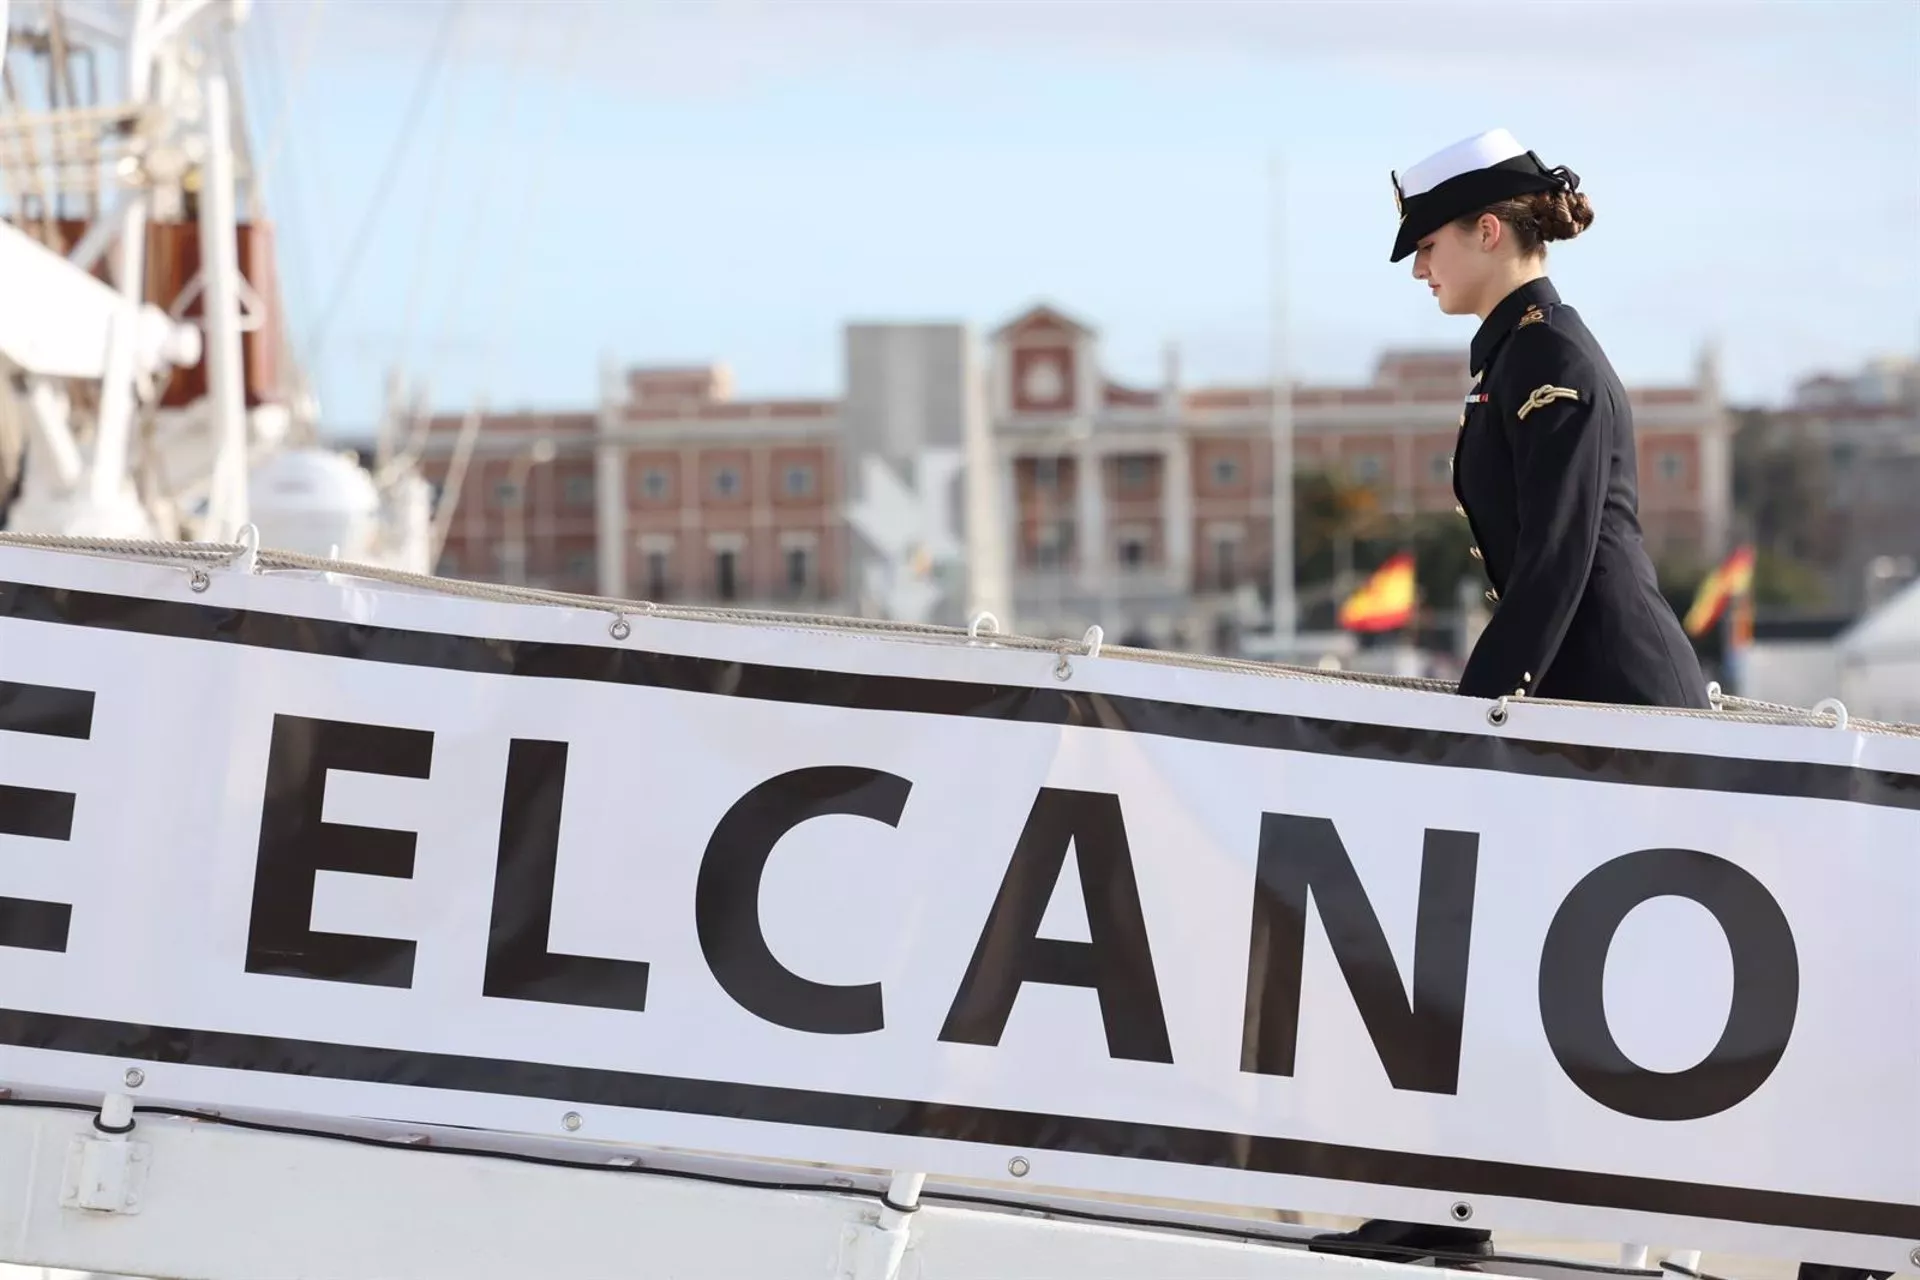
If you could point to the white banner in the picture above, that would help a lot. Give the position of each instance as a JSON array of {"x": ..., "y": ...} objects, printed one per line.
[{"x": 352, "y": 851}]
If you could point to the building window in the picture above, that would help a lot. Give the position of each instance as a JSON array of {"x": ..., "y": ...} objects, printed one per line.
[
  {"x": 1133, "y": 552},
  {"x": 726, "y": 482},
  {"x": 1672, "y": 466},
  {"x": 1135, "y": 470},
  {"x": 577, "y": 491},
  {"x": 506, "y": 493},
  {"x": 1050, "y": 546},
  {"x": 798, "y": 481},
  {"x": 655, "y": 484},
  {"x": 1440, "y": 467},
  {"x": 1226, "y": 563},
  {"x": 580, "y": 564},
  {"x": 1367, "y": 468},
  {"x": 799, "y": 570},
  {"x": 659, "y": 585},
  {"x": 1226, "y": 471},
  {"x": 726, "y": 574},
  {"x": 1046, "y": 474}
]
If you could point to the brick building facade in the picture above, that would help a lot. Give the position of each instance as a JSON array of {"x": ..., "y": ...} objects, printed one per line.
[{"x": 1143, "y": 508}]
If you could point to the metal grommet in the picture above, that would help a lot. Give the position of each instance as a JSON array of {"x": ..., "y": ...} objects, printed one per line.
[
  {"x": 571, "y": 1121},
  {"x": 620, "y": 629},
  {"x": 134, "y": 1078},
  {"x": 1461, "y": 1211},
  {"x": 1497, "y": 713},
  {"x": 1914, "y": 1257},
  {"x": 199, "y": 580},
  {"x": 1019, "y": 1167},
  {"x": 1062, "y": 669}
]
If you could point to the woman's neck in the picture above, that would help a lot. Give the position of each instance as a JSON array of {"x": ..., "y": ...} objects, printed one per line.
[{"x": 1518, "y": 272}]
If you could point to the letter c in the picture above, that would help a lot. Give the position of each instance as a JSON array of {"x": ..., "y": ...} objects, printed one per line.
[{"x": 726, "y": 902}]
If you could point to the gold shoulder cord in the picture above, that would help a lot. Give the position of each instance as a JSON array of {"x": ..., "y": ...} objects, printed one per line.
[
  {"x": 1544, "y": 396},
  {"x": 1534, "y": 316}
]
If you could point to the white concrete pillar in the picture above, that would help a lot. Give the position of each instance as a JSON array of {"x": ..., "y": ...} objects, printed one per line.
[
  {"x": 1096, "y": 557},
  {"x": 609, "y": 486},
  {"x": 1176, "y": 507}
]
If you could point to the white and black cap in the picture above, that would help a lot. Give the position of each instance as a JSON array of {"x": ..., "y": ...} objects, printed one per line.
[{"x": 1465, "y": 178}]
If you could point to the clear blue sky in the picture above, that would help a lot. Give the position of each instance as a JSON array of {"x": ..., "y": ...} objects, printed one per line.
[{"x": 693, "y": 181}]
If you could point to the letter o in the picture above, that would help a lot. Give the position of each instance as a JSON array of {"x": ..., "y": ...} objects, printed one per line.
[{"x": 1766, "y": 985}]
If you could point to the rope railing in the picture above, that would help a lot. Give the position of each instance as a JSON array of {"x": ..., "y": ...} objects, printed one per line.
[{"x": 1726, "y": 707}]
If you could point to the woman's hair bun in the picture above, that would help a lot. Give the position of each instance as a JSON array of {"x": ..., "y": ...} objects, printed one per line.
[{"x": 1560, "y": 215}]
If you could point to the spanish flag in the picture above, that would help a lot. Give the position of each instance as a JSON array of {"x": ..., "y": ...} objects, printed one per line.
[
  {"x": 1385, "y": 601},
  {"x": 1733, "y": 579}
]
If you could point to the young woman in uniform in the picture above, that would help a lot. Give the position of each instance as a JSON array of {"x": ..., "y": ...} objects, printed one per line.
[{"x": 1545, "y": 473}]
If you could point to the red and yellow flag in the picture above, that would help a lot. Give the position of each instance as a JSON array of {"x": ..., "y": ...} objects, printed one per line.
[
  {"x": 1385, "y": 601},
  {"x": 1731, "y": 580}
]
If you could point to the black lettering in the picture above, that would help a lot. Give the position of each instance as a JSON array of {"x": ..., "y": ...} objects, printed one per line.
[
  {"x": 49, "y": 711},
  {"x": 519, "y": 965},
  {"x": 726, "y": 902},
  {"x": 46, "y": 709},
  {"x": 1418, "y": 1040},
  {"x": 296, "y": 845},
  {"x": 1117, "y": 963},
  {"x": 1766, "y": 985}
]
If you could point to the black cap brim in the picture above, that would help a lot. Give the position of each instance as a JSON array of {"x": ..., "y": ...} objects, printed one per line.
[{"x": 1426, "y": 213}]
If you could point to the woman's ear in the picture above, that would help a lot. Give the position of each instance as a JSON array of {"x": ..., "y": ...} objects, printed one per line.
[{"x": 1488, "y": 232}]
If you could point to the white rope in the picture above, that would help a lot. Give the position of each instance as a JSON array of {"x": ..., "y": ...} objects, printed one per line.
[{"x": 619, "y": 611}]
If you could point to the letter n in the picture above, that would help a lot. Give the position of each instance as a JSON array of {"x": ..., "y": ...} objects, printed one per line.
[{"x": 1418, "y": 1040}]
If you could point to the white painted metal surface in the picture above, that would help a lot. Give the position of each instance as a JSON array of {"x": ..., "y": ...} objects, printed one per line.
[
  {"x": 175, "y": 125},
  {"x": 227, "y": 1203}
]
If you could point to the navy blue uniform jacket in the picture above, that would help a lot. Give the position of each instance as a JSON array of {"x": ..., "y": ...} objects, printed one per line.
[{"x": 1546, "y": 475}]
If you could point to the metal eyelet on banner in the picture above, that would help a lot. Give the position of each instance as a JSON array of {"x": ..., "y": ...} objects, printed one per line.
[
  {"x": 621, "y": 628},
  {"x": 1497, "y": 713},
  {"x": 1062, "y": 669},
  {"x": 1462, "y": 1211},
  {"x": 1914, "y": 1257},
  {"x": 198, "y": 580},
  {"x": 1019, "y": 1167},
  {"x": 571, "y": 1122}
]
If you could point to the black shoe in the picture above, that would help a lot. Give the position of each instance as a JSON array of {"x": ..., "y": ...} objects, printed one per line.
[{"x": 1384, "y": 1241}]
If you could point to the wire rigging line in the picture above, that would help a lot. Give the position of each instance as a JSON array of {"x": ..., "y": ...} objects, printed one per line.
[
  {"x": 402, "y": 143},
  {"x": 430, "y": 216},
  {"x": 490, "y": 180},
  {"x": 506, "y": 303},
  {"x": 290, "y": 86}
]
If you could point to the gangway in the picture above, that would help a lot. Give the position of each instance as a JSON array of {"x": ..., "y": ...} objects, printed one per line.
[{"x": 358, "y": 923}]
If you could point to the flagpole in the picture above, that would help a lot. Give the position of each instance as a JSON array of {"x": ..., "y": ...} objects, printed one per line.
[{"x": 1280, "y": 418}]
